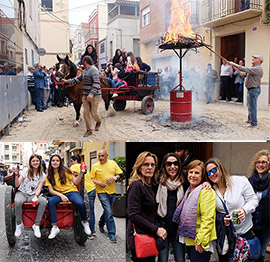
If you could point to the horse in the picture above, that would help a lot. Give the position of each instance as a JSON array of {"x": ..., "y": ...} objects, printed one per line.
[{"x": 66, "y": 69}]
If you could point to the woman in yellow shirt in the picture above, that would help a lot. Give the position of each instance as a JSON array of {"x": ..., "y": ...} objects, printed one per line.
[
  {"x": 90, "y": 187},
  {"x": 61, "y": 184},
  {"x": 196, "y": 215}
]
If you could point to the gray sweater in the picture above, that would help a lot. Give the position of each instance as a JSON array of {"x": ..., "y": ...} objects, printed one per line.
[
  {"x": 90, "y": 79},
  {"x": 254, "y": 75}
]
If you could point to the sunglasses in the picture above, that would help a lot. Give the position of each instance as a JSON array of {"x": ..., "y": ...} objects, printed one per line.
[
  {"x": 169, "y": 163},
  {"x": 213, "y": 170}
]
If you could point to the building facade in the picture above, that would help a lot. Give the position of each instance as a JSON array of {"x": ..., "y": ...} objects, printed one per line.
[{"x": 54, "y": 30}]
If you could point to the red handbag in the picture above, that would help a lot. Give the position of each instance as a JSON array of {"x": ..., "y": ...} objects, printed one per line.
[{"x": 145, "y": 245}]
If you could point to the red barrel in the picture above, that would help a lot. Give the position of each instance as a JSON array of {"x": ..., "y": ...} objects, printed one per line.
[{"x": 181, "y": 105}]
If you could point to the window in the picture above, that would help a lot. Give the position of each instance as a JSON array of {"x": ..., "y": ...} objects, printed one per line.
[
  {"x": 14, "y": 157},
  {"x": 26, "y": 56},
  {"x": 47, "y": 5},
  {"x": 146, "y": 16},
  {"x": 127, "y": 10},
  {"x": 6, "y": 157},
  {"x": 6, "y": 147},
  {"x": 14, "y": 148},
  {"x": 95, "y": 28},
  {"x": 102, "y": 48},
  {"x": 32, "y": 56}
]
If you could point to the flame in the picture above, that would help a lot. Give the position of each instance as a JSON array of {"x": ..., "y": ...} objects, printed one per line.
[{"x": 179, "y": 24}]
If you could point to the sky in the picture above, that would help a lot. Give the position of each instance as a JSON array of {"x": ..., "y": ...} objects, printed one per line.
[{"x": 80, "y": 10}]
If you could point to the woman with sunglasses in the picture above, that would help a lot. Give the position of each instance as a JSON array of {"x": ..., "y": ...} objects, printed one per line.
[
  {"x": 142, "y": 205},
  {"x": 61, "y": 184},
  {"x": 169, "y": 195},
  {"x": 260, "y": 181},
  {"x": 196, "y": 215},
  {"x": 238, "y": 195}
]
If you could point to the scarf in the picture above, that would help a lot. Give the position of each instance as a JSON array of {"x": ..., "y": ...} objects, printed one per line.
[
  {"x": 185, "y": 214},
  {"x": 162, "y": 194},
  {"x": 258, "y": 183}
]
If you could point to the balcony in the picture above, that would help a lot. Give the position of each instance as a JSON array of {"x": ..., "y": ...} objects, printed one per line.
[{"x": 217, "y": 13}]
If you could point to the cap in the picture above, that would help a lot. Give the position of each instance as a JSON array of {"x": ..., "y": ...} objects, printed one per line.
[
  {"x": 30, "y": 67},
  {"x": 258, "y": 56}
]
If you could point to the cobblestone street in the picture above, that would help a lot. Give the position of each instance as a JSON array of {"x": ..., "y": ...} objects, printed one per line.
[{"x": 63, "y": 247}]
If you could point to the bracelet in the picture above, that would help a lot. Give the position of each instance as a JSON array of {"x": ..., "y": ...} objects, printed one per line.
[{"x": 115, "y": 178}]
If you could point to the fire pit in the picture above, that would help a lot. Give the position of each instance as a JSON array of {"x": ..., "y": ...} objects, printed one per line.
[{"x": 180, "y": 101}]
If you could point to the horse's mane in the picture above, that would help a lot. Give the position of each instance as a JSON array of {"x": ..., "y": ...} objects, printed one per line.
[{"x": 73, "y": 70}]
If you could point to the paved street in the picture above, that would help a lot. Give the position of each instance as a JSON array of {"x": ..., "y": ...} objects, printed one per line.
[{"x": 63, "y": 247}]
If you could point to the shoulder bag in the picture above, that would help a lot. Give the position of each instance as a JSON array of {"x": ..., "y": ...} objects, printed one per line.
[{"x": 145, "y": 245}]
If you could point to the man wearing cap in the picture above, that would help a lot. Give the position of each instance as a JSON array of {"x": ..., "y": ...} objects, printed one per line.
[{"x": 253, "y": 82}]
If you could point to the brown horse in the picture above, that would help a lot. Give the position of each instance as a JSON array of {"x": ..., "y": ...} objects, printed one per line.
[{"x": 67, "y": 70}]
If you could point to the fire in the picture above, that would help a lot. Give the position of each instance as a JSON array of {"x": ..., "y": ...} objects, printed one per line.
[{"x": 179, "y": 24}]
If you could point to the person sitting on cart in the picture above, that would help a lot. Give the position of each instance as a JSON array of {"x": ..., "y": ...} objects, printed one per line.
[
  {"x": 143, "y": 66},
  {"x": 90, "y": 188},
  {"x": 117, "y": 73},
  {"x": 131, "y": 63},
  {"x": 29, "y": 184},
  {"x": 61, "y": 184}
]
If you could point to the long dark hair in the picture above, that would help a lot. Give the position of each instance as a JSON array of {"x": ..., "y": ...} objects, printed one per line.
[
  {"x": 163, "y": 172},
  {"x": 62, "y": 170},
  {"x": 30, "y": 173},
  {"x": 93, "y": 54}
]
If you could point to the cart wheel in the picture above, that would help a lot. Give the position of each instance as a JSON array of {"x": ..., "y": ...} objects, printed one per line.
[
  {"x": 10, "y": 216},
  {"x": 119, "y": 105},
  {"x": 79, "y": 234},
  {"x": 147, "y": 105}
]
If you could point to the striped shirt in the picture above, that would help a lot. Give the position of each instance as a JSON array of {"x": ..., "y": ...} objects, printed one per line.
[{"x": 30, "y": 80}]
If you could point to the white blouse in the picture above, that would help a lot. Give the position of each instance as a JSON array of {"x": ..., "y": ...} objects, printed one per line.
[{"x": 241, "y": 196}]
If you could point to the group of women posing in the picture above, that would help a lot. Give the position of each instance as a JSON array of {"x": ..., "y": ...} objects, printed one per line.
[
  {"x": 187, "y": 209},
  {"x": 61, "y": 184}
]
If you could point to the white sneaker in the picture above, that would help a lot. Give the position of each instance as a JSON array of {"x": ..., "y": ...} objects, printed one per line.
[
  {"x": 54, "y": 232},
  {"x": 114, "y": 95},
  {"x": 36, "y": 231},
  {"x": 86, "y": 227},
  {"x": 18, "y": 230}
]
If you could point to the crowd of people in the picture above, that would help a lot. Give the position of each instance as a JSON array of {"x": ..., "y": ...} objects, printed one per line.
[
  {"x": 193, "y": 210},
  {"x": 36, "y": 180}
]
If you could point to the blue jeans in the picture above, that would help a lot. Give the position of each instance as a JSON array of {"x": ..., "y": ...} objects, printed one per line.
[
  {"x": 178, "y": 250},
  {"x": 92, "y": 197},
  {"x": 110, "y": 82},
  {"x": 52, "y": 92},
  {"x": 252, "y": 98},
  {"x": 239, "y": 91},
  {"x": 39, "y": 98},
  {"x": 107, "y": 201},
  {"x": 32, "y": 91},
  {"x": 73, "y": 197},
  {"x": 209, "y": 87}
]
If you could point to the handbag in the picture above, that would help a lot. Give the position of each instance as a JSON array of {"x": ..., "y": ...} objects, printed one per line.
[
  {"x": 145, "y": 245},
  {"x": 255, "y": 248}
]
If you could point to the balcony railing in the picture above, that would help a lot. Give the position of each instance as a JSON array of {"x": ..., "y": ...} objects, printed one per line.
[{"x": 216, "y": 9}]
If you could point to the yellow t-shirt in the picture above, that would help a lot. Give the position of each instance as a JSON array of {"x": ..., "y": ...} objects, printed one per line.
[
  {"x": 102, "y": 172},
  {"x": 66, "y": 188},
  {"x": 88, "y": 182},
  {"x": 206, "y": 219}
]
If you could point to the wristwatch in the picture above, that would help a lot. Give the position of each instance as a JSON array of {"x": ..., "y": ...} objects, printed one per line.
[{"x": 115, "y": 178}]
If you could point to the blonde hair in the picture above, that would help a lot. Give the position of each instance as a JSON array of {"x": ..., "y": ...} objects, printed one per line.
[
  {"x": 252, "y": 165},
  {"x": 195, "y": 163},
  {"x": 225, "y": 176},
  {"x": 136, "y": 174}
]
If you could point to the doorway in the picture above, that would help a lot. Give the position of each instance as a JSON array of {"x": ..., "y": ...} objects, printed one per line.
[{"x": 233, "y": 46}]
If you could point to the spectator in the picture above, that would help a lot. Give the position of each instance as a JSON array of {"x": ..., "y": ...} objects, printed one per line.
[
  {"x": 52, "y": 88},
  {"x": 226, "y": 72},
  {"x": 143, "y": 66},
  {"x": 239, "y": 82},
  {"x": 104, "y": 174},
  {"x": 39, "y": 87},
  {"x": 46, "y": 88},
  {"x": 19, "y": 71},
  {"x": 259, "y": 177},
  {"x": 8, "y": 70},
  {"x": 142, "y": 205},
  {"x": 31, "y": 84},
  {"x": 210, "y": 77},
  {"x": 90, "y": 189}
]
